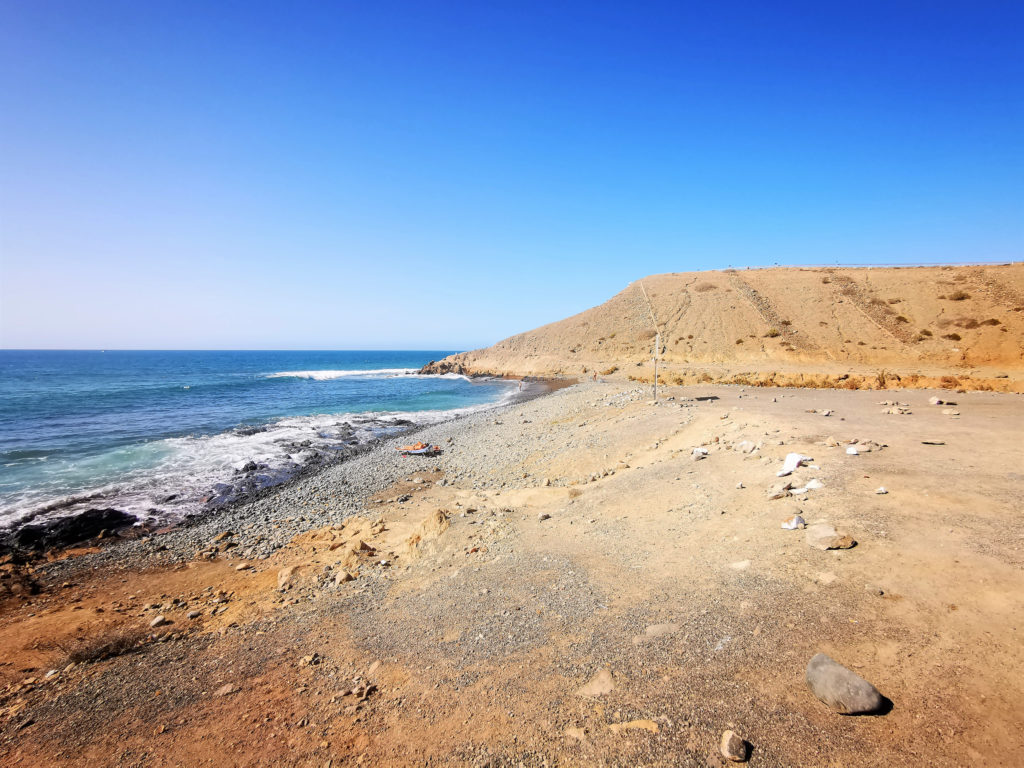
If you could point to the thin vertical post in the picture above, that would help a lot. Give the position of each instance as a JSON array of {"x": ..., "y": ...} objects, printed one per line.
[{"x": 657, "y": 350}]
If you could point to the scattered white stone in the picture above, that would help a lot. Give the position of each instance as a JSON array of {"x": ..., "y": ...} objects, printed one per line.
[
  {"x": 742, "y": 565},
  {"x": 880, "y": 490},
  {"x": 159, "y": 621},
  {"x": 851, "y": 450},
  {"x": 793, "y": 523},
  {"x": 791, "y": 462}
]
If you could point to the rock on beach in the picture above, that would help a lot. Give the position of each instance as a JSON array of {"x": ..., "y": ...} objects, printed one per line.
[
  {"x": 843, "y": 690},
  {"x": 823, "y": 536},
  {"x": 733, "y": 747}
]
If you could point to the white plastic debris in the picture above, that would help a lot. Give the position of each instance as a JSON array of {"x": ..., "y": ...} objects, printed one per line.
[
  {"x": 792, "y": 461},
  {"x": 881, "y": 490},
  {"x": 700, "y": 451},
  {"x": 851, "y": 450},
  {"x": 793, "y": 523}
]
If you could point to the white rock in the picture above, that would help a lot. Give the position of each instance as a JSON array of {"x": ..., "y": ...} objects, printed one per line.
[{"x": 792, "y": 461}]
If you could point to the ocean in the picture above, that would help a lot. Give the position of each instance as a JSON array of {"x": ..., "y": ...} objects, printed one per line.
[{"x": 163, "y": 435}]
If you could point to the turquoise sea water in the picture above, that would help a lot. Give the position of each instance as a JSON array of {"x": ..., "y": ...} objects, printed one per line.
[{"x": 130, "y": 430}]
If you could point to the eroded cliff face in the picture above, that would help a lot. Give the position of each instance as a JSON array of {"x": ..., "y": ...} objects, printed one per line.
[{"x": 924, "y": 321}]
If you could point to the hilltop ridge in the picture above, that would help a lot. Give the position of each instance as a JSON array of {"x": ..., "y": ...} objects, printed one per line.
[{"x": 786, "y": 325}]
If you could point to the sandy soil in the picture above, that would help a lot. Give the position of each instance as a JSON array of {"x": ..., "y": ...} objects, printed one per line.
[{"x": 658, "y": 604}]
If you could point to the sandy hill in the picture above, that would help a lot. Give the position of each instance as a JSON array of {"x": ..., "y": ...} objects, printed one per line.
[{"x": 787, "y": 325}]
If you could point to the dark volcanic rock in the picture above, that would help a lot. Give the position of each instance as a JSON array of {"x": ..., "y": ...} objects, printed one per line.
[{"x": 64, "y": 531}]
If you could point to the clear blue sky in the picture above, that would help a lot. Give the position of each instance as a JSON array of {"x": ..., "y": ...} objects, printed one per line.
[{"x": 178, "y": 174}]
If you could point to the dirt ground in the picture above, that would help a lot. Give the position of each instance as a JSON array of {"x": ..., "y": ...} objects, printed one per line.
[{"x": 628, "y": 617}]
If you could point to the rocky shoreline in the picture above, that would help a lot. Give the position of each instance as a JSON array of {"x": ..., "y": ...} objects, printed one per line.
[{"x": 360, "y": 469}]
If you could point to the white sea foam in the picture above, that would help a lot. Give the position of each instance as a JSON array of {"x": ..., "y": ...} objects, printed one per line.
[
  {"x": 327, "y": 375},
  {"x": 372, "y": 373}
]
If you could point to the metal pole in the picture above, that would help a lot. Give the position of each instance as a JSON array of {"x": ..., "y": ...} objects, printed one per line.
[{"x": 657, "y": 349}]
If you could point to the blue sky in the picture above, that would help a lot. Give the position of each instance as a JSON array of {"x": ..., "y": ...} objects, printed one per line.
[{"x": 441, "y": 174}]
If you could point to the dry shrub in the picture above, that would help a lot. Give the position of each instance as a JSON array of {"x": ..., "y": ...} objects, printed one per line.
[
  {"x": 950, "y": 382},
  {"x": 786, "y": 322},
  {"x": 952, "y": 336},
  {"x": 826, "y": 280},
  {"x": 991, "y": 321},
  {"x": 861, "y": 343},
  {"x": 901, "y": 319},
  {"x": 704, "y": 287},
  {"x": 112, "y": 642},
  {"x": 609, "y": 371},
  {"x": 772, "y": 333},
  {"x": 876, "y": 302},
  {"x": 647, "y": 334},
  {"x": 925, "y": 332},
  {"x": 704, "y": 378},
  {"x": 968, "y": 322},
  {"x": 739, "y": 341},
  {"x": 959, "y": 295},
  {"x": 895, "y": 301},
  {"x": 575, "y": 493}
]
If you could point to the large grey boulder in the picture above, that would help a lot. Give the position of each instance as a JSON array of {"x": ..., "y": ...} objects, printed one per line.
[{"x": 841, "y": 689}]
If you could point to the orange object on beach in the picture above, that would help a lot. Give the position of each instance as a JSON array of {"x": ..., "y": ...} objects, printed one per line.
[{"x": 419, "y": 449}]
